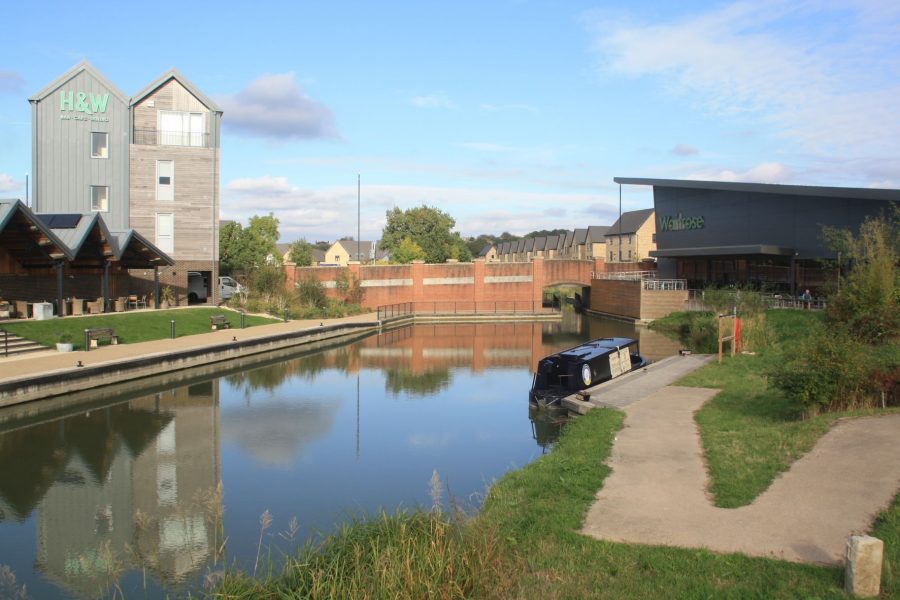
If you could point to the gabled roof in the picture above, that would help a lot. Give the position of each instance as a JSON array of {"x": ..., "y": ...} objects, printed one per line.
[
  {"x": 540, "y": 243},
  {"x": 529, "y": 244},
  {"x": 768, "y": 188},
  {"x": 597, "y": 233},
  {"x": 74, "y": 237},
  {"x": 570, "y": 235},
  {"x": 552, "y": 242},
  {"x": 133, "y": 250},
  {"x": 184, "y": 81},
  {"x": 580, "y": 236},
  {"x": 71, "y": 74},
  {"x": 630, "y": 222},
  {"x": 26, "y": 236},
  {"x": 486, "y": 250},
  {"x": 362, "y": 249}
]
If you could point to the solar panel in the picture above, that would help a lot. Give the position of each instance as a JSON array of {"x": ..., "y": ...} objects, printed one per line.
[{"x": 62, "y": 221}]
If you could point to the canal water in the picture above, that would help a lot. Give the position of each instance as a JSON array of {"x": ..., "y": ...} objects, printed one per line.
[{"x": 151, "y": 489}]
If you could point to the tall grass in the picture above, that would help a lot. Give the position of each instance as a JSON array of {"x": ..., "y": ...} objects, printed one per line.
[{"x": 407, "y": 555}]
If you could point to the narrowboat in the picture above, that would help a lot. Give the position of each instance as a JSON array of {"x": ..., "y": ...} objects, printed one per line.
[{"x": 564, "y": 373}]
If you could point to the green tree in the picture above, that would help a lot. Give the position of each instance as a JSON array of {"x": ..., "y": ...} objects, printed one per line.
[
  {"x": 229, "y": 247},
  {"x": 868, "y": 303},
  {"x": 301, "y": 253},
  {"x": 407, "y": 252},
  {"x": 428, "y": 227},
  {"x": 242, "y": 249}
]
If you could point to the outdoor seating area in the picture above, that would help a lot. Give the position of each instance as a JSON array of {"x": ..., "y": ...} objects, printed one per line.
[{"x": 75, "y": 307}]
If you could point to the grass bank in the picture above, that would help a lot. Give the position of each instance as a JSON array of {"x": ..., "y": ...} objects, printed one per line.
[
  {"x": 138, "y": 326},
  {"x": 526, "y": 537}
]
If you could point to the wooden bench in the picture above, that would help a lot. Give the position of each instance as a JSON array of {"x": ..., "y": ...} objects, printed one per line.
[
  {"x": 219, "y": 322},
  {"x": 93, "y": 336}
]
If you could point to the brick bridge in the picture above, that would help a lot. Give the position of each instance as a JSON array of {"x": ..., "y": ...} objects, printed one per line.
[{"x": 505, "y": 286}]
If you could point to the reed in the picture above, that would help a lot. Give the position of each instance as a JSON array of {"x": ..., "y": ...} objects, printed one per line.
[{"x": 403, "y": 555}]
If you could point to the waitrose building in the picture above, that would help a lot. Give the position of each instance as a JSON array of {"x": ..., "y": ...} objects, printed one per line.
[{"x": 761, "y": 235}]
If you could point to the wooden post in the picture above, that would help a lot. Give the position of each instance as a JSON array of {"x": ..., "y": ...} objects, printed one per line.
[{"x": 720, "y": 339}]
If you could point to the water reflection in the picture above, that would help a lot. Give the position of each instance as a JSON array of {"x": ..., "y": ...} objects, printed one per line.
[
  {"x": 133, "y": 492},
  {"x": 129, "y": 486}
]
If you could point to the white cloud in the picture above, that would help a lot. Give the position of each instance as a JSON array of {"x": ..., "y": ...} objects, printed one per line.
[
  {"x": 824, "y": 75},
  {"x": 762, "y": 173},
  {"x": 329, "y": 213},
  {"x": 274, "y": 106},
  {"x": 11, "y": 82},
  {"x": 439, "y": 100},
  {"x": 8, "y": 184}
]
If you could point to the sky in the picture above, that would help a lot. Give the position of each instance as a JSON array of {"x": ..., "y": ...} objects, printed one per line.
[{"x": 510, "y": 115}]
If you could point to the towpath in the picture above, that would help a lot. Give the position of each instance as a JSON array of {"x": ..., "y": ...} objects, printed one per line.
[{"x": 657, "y": 492}]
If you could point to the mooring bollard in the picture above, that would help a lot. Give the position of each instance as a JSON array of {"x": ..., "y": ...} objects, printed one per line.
[
  {"x": 87, "y": 341},
  {"x": 862, "y": 575},
  {"x": 242, "y": 319},
  {"x": 285, "y": 315},
  {"x": 173, "y": 328}
]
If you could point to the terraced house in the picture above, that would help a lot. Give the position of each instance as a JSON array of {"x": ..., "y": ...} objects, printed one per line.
[{"x": 138, "y": 170}]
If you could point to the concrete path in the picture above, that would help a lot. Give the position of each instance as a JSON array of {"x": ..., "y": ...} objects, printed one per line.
[{"x": 656, "y": 493}]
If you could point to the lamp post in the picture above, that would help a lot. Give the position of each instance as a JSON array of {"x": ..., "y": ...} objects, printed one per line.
[{"x": 358, "y": 239}]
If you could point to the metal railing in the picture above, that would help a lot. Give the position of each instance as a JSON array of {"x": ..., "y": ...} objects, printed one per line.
[
  {"x": 463, "y": 307},
  {"x": 665, "y": 284},
  {"x": 624, "y": 275},
  {"x": 155, "y": 137}
]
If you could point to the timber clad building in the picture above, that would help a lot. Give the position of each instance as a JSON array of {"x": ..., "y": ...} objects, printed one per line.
[{"x": 142, "y": 170}]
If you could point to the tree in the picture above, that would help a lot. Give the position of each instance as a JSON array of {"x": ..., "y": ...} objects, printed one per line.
[
  {"x": 301, "y": 253},
  {"x": 430, "y": 228},
  {"x": 407, "y": 252},
  {"x": 242, "y": 249},
  {"x": 229, "y": 247},
  {"x": 868, "y": 303}
]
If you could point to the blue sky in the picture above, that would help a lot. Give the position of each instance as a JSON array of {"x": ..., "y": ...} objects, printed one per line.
[{"x": 511, "y": 115}]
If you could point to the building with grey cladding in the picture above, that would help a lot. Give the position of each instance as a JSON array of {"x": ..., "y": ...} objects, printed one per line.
[
  {"x": 765, "y": 236},
  {"x": 146, "y": 164}
]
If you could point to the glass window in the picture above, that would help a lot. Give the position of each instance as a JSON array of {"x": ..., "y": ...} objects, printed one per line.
[
  {"x": 99, "y": 144},
  {"x": 99, "y": 198},
  {"x": 180, "y": 128},
  {"x": 165, "y": 180},
  {"x": 165, "y": 232}
]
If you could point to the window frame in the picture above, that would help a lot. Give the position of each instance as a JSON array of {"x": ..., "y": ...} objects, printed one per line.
[
  {"x": 104, "y": 206},
  {"x": 105, "y": 147},
  {"x": 170, "y": 186},
  {"x": 167, "y": 248}
]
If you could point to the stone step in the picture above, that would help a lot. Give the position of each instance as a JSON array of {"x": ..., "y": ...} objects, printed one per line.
[{"x": 18, "y": 345}]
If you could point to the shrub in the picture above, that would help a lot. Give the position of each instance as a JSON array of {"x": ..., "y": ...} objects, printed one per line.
[
  {"x": 829, "y": 370},
  {"x": 311, "y": 292}
]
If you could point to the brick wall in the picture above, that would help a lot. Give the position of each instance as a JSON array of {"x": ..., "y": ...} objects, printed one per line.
[
  {"x": 485, "y": 284},
  {"x": 612, "y": 297},
  {"x": 659, "y": 303}
]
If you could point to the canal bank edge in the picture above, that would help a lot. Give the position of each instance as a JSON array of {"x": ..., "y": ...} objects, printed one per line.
[{"x": 135, "y": 364}]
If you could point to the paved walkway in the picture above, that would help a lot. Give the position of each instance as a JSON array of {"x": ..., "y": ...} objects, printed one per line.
[
  {"x": 18, "y": 367},
  {"x": 656, "y": 493}
]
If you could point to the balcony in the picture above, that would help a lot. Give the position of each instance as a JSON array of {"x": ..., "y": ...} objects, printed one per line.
[{"x": 155, "y": 137}]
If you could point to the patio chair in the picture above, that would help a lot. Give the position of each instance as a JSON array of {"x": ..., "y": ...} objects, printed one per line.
[
  {"x": 96, "y": 306},
  {"x": 142, "y": 301},
  {"x": 132, "y": 301},
  {"x": 77, "y": 307},
  {"x": 119, "y": 304}
]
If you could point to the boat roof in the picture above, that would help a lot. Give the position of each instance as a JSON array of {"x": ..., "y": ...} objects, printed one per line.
[{"x": 596, "y": 347}]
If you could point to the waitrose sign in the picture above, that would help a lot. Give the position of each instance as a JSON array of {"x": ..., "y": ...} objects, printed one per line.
[
  {"x": 680, "y": 223},
  {"x": 81, "y": 106}
]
